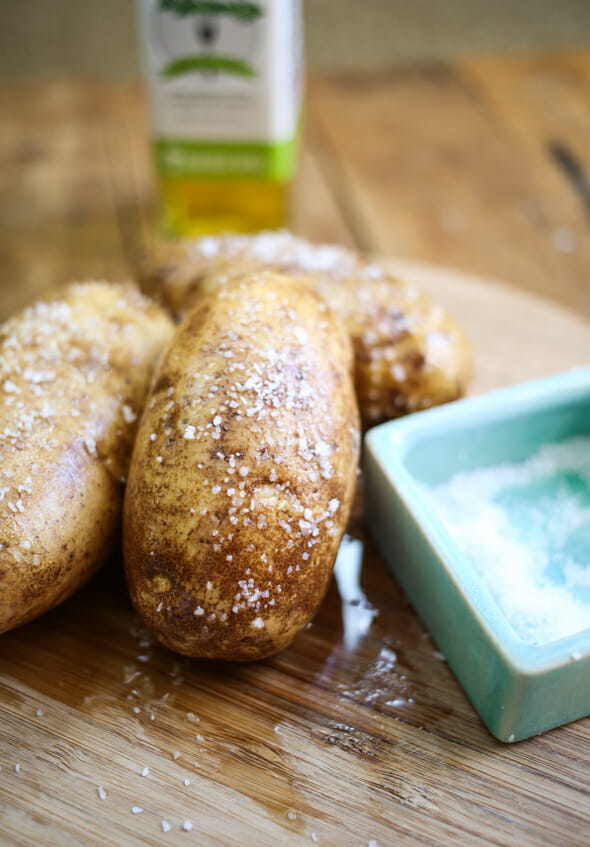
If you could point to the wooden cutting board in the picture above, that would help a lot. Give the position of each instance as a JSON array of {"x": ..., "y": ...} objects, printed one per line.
[{"x": 357, "y": 734}]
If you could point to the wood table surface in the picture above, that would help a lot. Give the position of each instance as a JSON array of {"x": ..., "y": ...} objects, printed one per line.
[{"x": 461, "y": 174}]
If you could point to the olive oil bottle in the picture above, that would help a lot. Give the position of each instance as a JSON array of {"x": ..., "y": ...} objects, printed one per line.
[{"x": 224, "y": 84}]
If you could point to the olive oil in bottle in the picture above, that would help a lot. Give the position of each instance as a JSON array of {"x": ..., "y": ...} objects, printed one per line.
[{"x": 224, "y": 83}]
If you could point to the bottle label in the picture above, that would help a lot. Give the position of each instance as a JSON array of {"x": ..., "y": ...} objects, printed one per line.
[{"x": 224, "y": 81}]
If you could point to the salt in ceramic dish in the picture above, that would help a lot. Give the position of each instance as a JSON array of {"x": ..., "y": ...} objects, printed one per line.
[{"x": 481, "y": 508}]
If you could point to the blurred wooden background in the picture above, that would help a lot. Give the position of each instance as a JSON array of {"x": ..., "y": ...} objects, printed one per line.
[
  {"x": 99, "y": 38},
  {"x": 480, "y": 164},
  {"x": 455, "y": 133}
]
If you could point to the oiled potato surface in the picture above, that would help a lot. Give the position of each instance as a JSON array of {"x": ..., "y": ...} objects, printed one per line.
[
  {"x": 243, "y": 472},
  {"x": 74, "y": 372},
  {"x": 409, "y": 353}
]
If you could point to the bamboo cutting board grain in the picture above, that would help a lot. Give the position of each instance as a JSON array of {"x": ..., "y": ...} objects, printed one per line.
[{"x": 358, "y": 734}]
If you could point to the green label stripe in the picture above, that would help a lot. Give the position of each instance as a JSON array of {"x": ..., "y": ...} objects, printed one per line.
[
  {"x": 240, "y": 9},
  {"x": 204, "y": 63},
  {"x": 178, "y": 158}
]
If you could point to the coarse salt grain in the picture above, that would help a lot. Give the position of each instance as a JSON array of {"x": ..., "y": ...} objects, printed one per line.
[
  {"x": 136, "y": 810},
  {"x": 166, "y": 826},
  {"x": 101, "y": 792},
  {"x": 523, "y": 527},
  {"x": 187, "y": 826},
  {"x": 145, "y": 772},
  {"x": 128, "y": 414},
  {"x": 90, "y": 445}
]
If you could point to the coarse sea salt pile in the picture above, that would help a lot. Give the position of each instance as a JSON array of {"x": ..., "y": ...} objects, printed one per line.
[{"x": 525, "y": 529}]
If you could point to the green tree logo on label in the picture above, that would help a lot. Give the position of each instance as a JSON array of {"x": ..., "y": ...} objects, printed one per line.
[{"x": 208, "y": 37}]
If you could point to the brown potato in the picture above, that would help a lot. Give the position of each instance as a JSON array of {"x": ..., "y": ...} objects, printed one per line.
[
  {"x": 409, "y": 353},
  {"x": 74, "y": 372},
  {"x": 179, "y": 272},
  {"x": 243, "y": 472}
]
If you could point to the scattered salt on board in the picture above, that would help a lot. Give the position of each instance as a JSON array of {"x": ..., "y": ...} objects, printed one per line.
[{"x": 525, "y": 529}]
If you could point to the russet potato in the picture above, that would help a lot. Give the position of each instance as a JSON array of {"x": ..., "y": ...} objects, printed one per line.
[
  {"x": 409, "y": 353},
  {"x": 74, "y": 372},
  {"x": 243, "y": 472}
]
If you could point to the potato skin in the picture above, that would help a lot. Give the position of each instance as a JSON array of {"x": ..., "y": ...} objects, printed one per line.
[
  {"x": 243, "y": 472},
  {"x": 74, "y": 372},
  {"x": 409, "y": 353}
]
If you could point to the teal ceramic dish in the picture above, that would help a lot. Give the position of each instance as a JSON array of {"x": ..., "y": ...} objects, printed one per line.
[{"x": 520, "y": 686}]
